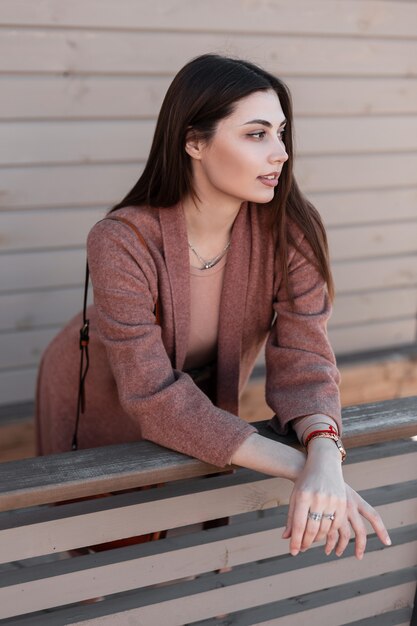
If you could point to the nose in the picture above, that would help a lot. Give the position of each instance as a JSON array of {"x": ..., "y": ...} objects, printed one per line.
[{"x": 278, "y": 154}]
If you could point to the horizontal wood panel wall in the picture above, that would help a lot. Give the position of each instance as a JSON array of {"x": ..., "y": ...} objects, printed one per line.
[{"x": 81, "y": 87}]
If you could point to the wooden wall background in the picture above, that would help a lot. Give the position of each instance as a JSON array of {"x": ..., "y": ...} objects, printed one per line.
[{"x": 81, "y": 83}]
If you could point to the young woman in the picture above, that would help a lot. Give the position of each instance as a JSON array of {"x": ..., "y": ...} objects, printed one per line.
[{"x": 233, "y": 256}]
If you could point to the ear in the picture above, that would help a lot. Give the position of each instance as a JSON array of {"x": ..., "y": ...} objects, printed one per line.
[{"x": 193, "y": 145}]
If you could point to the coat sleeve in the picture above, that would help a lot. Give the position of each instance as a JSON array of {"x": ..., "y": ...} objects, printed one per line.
[
  {"x": 170, "y": 409},
  {"x": 302, "y": 377}
]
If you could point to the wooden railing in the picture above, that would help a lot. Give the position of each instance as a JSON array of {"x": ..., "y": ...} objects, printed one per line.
[{"x": 241, "y": 571}]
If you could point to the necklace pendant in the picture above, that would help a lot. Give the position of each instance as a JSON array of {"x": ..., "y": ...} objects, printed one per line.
[{"x": 207, "y": 266}]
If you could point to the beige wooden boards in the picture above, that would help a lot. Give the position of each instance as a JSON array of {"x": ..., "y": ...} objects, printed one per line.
[{"x": 81, "y": 89}]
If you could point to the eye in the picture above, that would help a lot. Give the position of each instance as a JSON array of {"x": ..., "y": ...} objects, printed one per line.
[
  {"x": 258, "y": 135},
  {"x": 281, "y": 133}
]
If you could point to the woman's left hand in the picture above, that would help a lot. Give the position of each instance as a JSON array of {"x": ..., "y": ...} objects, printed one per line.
[{"x": 318, "y": 501}]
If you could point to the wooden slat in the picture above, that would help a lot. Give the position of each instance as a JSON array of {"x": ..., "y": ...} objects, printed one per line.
[
  {"x": 246, "y": 587},
  {"x": 93, "y": 98},
  {"x": 387, "y": 334},
  {"x": 75, "y": 142},
  {"x": 361, "y": 606},
  {"x": 100, "y": 470},
  {"x": 104, "y": 184},
  {"x": 24, "y": 348},
  {"x": 317, "y": 174},
  {"x": 17, "y": 385},
  {"x": 369, "y": 18},
  {"x": 41, "y": 269},
  {"x": 378, "y": 273},
  {"x": 352, "y": 96},
  {"x": 105, "y": 52},
  {"x": 28, "y": 310},
  {"x": 89, "y": 97},
  {"x": 351, "y": 242},
  {"x": 55, "y": 142},
  {"x": 48, "y": 229},
  {"x": 397, "y": 585},
  {"x": 63, "y": 582},
  {"x": 67, "y": 186},
  {"x": 365, "y": 207},
  {"x": 374, "y": 306},
  {"x": 355, "y": 135}
]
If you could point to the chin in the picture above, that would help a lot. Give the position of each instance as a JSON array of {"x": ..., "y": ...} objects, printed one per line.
[{"x": 259, "y": 198}]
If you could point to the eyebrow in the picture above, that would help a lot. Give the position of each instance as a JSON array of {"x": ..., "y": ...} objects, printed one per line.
[{"x": 264, "y": 123}]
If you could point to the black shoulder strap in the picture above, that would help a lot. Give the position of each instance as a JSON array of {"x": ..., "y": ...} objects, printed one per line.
[{"x": 85, "y": 337}]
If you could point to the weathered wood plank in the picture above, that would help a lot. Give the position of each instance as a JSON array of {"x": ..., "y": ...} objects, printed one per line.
[
  {"x": 66, "y": 581},
  {"x": 361, "y": 606},
  {"x": 42, "y": 269},
  {"x": 90, "y": 97},
  {"x": 62, "y": 142},
  {"x": 364, "y": 19},
  {"x": 104, "y": 184},
  {"x": 245, "y": 587},
  {"x": 386, "y": 334},
  {"x": 17, "y": 385},
  {"x": 28, "y": 310},
  {"x": 24, "y": 348},
  {"x": 107, "y": 52},
  {"x": 374, "y": 306},
  {"x": 48, "y": 229},
  {"x": 351, "y": 242},
  {"x": 402, "y": 582},
  {"x": 100, "y": 470},
  {"x": 375, "y": 273},
  {"x": 364, "y": 207},
  {"x": 103, "y": 523}
]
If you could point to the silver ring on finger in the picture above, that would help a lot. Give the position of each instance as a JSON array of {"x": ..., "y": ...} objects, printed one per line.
[
  {"x": 316, "y": 517},
  {"x": 329, "y": 516}
]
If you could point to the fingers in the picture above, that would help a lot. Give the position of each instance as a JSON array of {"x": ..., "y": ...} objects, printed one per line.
[
  {"x": 344, "y": 538},
  {"x": 298, "y": 524},
  {"x": 374, "y": 518},
  {"x": 311, "y": 520},
  {"x": 332, "y": 538}
]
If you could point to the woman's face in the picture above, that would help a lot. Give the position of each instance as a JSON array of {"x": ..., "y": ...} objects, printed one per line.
[{"x": 247, "y": 147}]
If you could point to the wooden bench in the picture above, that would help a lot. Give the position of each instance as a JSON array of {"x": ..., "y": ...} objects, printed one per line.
[{"x": 185, "y": 577}]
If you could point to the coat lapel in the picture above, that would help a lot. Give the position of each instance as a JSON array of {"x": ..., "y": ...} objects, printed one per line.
[
  {"x": 174, "y": 235},
  {"x": 232, "y": 312}
]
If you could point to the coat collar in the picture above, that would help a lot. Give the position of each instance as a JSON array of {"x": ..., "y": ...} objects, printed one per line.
[
  {"x": 233, "y": 299},
  {"x": 174, "y": 235},
  {"x": 232, "y": 312}
]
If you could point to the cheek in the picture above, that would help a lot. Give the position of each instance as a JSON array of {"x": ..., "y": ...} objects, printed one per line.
[{"x": 232, "y": 162}]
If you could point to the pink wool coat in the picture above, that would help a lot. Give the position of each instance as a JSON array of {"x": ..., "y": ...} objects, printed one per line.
[{"x": 136, "y": 387}]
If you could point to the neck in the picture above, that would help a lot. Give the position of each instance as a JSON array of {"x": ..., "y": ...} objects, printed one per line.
[{"x": 209, "y": 220}]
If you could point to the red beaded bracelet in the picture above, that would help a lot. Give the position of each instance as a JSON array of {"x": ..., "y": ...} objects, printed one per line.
[{"x": 331, "y": 431}]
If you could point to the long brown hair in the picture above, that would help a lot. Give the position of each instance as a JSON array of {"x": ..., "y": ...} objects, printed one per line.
[{"x": 203, "y": 92}]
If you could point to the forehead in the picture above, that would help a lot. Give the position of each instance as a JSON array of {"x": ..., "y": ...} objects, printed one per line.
[{"x": 258, "y": 105}]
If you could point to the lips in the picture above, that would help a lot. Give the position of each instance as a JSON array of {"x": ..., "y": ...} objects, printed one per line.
[{"x": 270, "y": 180}]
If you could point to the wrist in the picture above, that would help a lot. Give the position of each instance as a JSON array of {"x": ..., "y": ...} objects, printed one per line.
[{"x": 321, "y": 447}]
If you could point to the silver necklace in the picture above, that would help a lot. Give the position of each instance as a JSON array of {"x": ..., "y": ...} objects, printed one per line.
[{"x": 207, "y": 264}]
